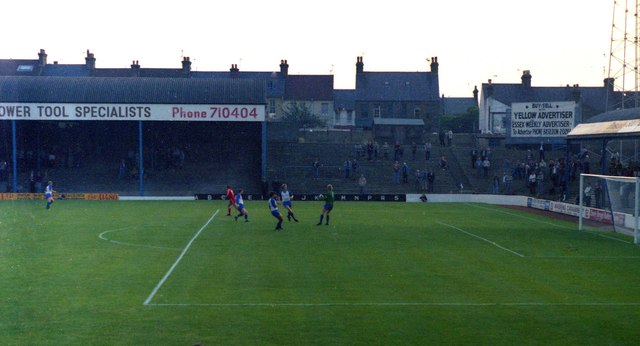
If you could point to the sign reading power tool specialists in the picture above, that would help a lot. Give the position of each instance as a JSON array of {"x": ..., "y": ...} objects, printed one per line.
[
  {"x": 146, "y": 112},
  {"x": 542, "y": 119}
]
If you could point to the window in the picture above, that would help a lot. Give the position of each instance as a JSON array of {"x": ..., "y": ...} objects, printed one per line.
[
  {"x": 416, "y": 112},
  {"x": 376, "y": 111},
  {"x": 272, "y": 106},
  {"x": 324, "y": 108}
]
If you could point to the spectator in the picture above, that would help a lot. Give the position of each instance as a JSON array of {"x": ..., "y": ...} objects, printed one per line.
[
  {"x": 479, "y": 166},
  {"x": 375, "y": 150},
  {"x": 486, "y": 165},
  {"x": 598, "y": 195},
  {"x": 347, "y": 168},
  {"x": 474, "y": 157},
  {"x": 443, "y": 163},
  {"x": 441, "y": 137},
  {"x": 385, "y": 150},
  {"x": 122, "y": 169},
  {"x": 496, "y": 185},
  {"x": 32, "y": 182},
  {"x": 585, "y": 164},
  {"x": 414, "y": 149},
  {"x": 316, "y": 168},
  {"x": 539, "y": 182},
  {"x": 405, "y": 173},
  {"x": 506, "y": 166},
  {"x": 4, "y": 170},
  {"x": 362, "y": 183},
  {"x": 587, "y": 195},
  {"x": 427, "y": 151},
  {"x": 431, "y": 178},
  {"x": 449, "y": 138},
  {"x": 507, "y": 179},
  {"x": 531, "y": 183},
  {"x": 541, "y": 152},
  {"x": 418, "y": 180},
  {"x": 396, "y": 172},
  {"x": 38, "y": 182}
]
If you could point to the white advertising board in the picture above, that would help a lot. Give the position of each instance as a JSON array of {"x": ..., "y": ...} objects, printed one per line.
[
  {"x": 542, "y": 119},
  {"x": 123, "y": 112}
]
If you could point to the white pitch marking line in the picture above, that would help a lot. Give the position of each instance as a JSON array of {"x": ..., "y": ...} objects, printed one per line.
[
  {"x": 587, "y": 257},
  {"x": 550, "y": 223},
  {"x": 166, "y": 276},
  {"x": 382, "y": 304},
  {"x": 483, "y": 239},
  {"x": 101, "y": 236}
]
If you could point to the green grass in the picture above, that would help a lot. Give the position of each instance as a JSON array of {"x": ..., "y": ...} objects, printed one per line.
[{"x": 381, "y": 273}]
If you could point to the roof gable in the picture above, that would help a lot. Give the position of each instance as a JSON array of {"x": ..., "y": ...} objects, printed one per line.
[{"x": 344, "y": 99}]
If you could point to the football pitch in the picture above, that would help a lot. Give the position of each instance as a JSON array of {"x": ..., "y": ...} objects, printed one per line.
[{"x": 183, "y": 273}]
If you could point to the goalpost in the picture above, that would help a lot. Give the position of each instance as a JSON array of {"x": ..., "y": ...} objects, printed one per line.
[{"x": 610, "y": 201}]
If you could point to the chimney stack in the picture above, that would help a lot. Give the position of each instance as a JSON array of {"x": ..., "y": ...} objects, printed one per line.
[
  {"x": 42, "y": 58},
  {"x": 475, "y": 94},
  {"x": 576, "y": 94},
  {"x": 284, "y": 68},
  {"x": 609, "y": 84},
  {"x": 135, "y": 68},
  {"x": 359, "y": 65},
  {"x": 233, "y": 71},
  {"x": 434, "y": 65},
  {"x": 490, "y": 89},
  {"x": 90, "y": 61},
  {"x": 186, "y": 66},
  {"x": 526, "y": 78}
]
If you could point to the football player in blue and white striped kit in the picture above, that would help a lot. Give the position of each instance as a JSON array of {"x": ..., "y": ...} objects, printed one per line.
[
  {"x": 286, "y": 197},
  {"x": 240, "y": 206},
  {"x": 48, "y": 193},
  {"x": 273, "y": 206}
]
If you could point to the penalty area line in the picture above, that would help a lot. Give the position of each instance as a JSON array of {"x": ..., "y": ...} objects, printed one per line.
[
  {"x": 175, "y": 264},
  {"x": 483, "y": 239}
]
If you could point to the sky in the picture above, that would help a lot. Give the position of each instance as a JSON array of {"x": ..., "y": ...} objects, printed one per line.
[{"x": 560, "y": 41}]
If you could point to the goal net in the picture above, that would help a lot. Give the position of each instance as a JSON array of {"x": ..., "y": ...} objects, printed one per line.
[{"x": 610, "y": 203}]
